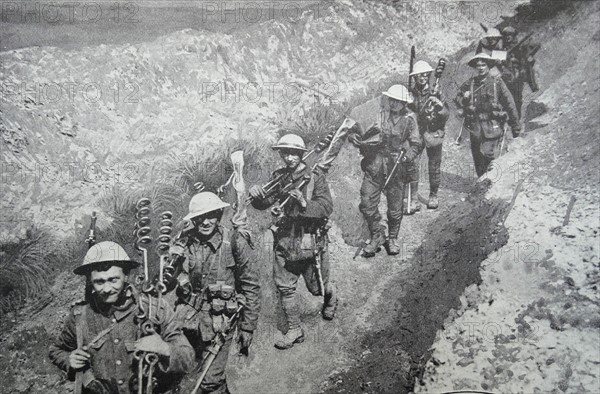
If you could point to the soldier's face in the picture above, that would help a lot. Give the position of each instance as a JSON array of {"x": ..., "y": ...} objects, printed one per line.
[
  {"x": 492, "y": 41},
  {"x": 207, "y": 224},
  {"x": 108, "y": 284},
  {"x": 508, "y": 38},
  {"x": 396, "y": 105},
  {"x": 290, "y": 157},
  {"x": 422, "y": 79},
  {"x": 482, "y": 68}
]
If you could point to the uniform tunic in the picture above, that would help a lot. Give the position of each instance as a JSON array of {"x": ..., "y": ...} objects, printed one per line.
[
  {"x": 435, "y": 126},
  {"x": 488, "y": 95},
  {"x": 229, "y": 260},
  {"x": 112, "y": 351},
  {"x": 397, "y": 133},
  {"x": 288, "y": 246}
]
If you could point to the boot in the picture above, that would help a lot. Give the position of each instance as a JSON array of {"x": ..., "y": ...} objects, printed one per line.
[
  {"x": 330, "y": 302},
  {"x": 393, "y": 247},
  {"x": 293, "y": 336},
  {"x": 377, "y": 240},
  {"x": 433, "y": 201}
]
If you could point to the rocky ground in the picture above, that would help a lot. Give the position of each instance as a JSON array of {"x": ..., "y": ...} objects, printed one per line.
[{"x": 495, "y": 291}]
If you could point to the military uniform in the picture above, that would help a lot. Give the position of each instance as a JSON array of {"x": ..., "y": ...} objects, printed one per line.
[
  {"x": 110, "y": 336},
  {"x": 294, "y": 252},
  {"x": 513, "y": 70},
  {"x": 211, "y": 267},
  {"x": 432, "y": 129},
  {"x": 488, "y": 108},
  {"x": 396, "y": 134}
]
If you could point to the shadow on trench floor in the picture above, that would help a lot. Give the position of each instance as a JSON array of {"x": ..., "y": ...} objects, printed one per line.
[{"x": 389, "y": 359}]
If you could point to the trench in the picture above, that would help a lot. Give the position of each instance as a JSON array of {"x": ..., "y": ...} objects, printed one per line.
[{"x": 392, "y": 358}]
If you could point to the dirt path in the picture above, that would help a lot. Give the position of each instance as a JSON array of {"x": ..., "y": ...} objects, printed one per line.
[{"x": 374, "y": 293}]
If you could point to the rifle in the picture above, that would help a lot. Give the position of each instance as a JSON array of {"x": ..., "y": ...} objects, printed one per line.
[
  {"x": 527, "y": 37},
  {"x": 91, "y": 238},
  {"x": 288, "y": 188},
  {"x": 429, "y": 107},
  {"x": 396, "y": 164},
  {"x": 484, "y": 27},
  {"x": 528, "y": 68},
  {"x": 215, "y": 347},
  {"x": 320, "y": 234},
  {"x": 411, "y": 64},
  {"x": 90, "y": 241},
  {"x": 271, "y": 187},
  {"x": 503, "y": 139}
]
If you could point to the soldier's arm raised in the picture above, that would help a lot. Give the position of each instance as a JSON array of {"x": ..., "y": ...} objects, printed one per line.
[
  {"x": 270, "y": 199},
  {"x": 246, "y": 280},
  {"x": 463, "y": 97}
]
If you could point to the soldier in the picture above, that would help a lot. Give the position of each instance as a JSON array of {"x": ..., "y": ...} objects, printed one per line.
[
  {"x": 398, "y": 131},
  {"x": 107, "y": 327},
  {"x": 299, "y": 239},
  {"x": 518, "y": 66},
  {"x": 432, "y": 115},
  {"x": 487, "y": 106},
  {"x": 491, "y": 41},
  {"x": 218, "y": 272}
]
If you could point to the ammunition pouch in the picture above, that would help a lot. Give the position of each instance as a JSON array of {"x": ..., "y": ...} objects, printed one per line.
[
  {"x": 302, "y": 242},
  {"x": 221, "y": 298},
  {"x": 298, "y": 249}
]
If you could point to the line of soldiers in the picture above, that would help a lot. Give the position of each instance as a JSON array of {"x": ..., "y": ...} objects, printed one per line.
[
  {"x": 492, "y": 99},
  {"x": 216, "y": 277}
]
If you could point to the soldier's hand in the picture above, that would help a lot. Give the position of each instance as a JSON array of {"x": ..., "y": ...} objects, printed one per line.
[
  {"x": 245, "y": 340},
  {"x": 79, "y": 358},
  {"x": 176, "y": 250},
  {"x": 276, "y": 211},
  {"x": 297, "y": 195},
  {"x": 437, "y": 102},
  {"x": 153, "y": 344},
  {"x": 257, "y": 192},
  {"x": 467, "y": 95},
  {"x": 354, "y": 139}
]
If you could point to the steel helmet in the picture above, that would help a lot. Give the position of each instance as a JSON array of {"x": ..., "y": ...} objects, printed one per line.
[
  {"x": 204, "y": 202},
  {"x": 104, "y": 252},
  {"x": 509, "y": 30},
  {"x": 492, "y": 32},
  {"x": 290, "y": 141},
  {"x": 421, "y": 67},
  {"x": 400, "y": 93},
  {"x": 480, "y": 56}
]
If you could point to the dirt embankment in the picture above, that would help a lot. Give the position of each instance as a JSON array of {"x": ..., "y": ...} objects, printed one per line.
[
  {"x": 391, "y": 308},
  {"x": 532, "y": 324}
]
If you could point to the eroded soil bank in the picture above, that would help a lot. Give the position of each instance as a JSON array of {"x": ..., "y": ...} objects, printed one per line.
[{"x": 414, "y": 305}]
